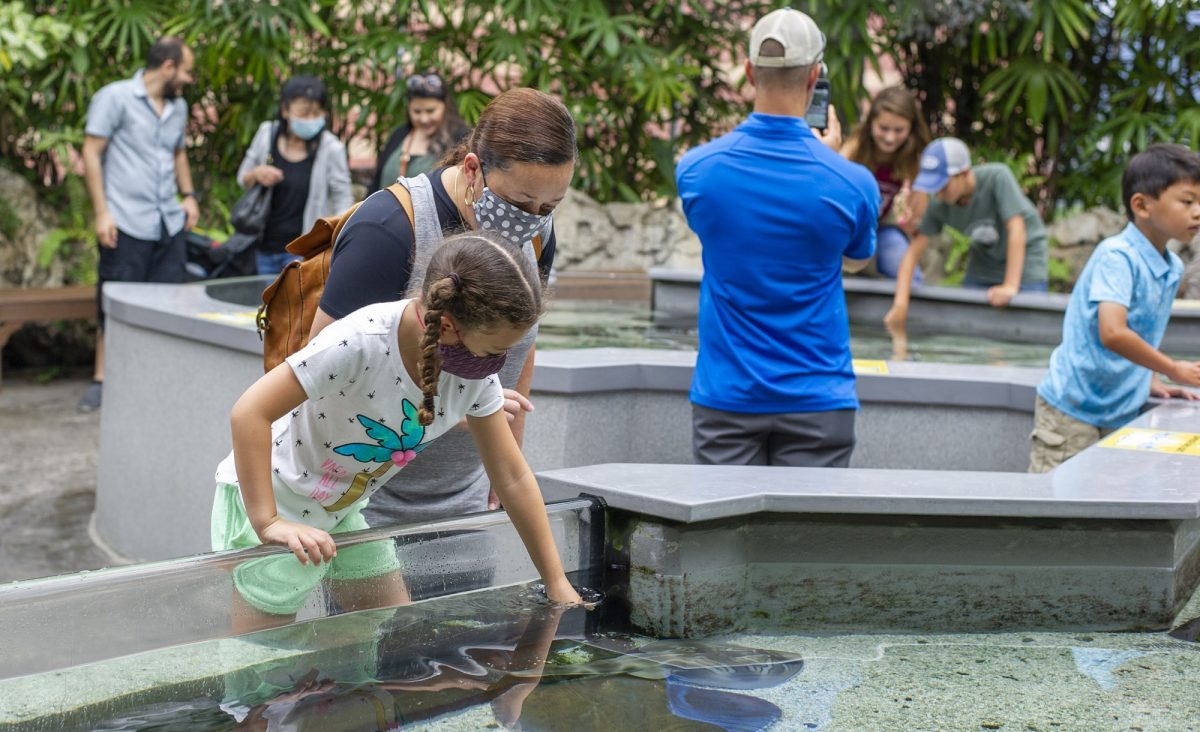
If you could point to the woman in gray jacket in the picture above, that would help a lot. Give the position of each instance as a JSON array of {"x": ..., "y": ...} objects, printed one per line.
[{"x": 302, "y": 163}]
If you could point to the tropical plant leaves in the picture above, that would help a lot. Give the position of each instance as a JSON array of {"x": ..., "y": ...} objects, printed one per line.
[{"x": 1079, "y": 84}]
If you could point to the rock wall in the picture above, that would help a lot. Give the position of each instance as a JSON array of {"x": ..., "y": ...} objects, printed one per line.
[
  {"x": 593, "y": 236},
  {"x": 1072, "y": 239},
  {"x": 25, "y": 220},
  {"x": 635, "y": 236}
]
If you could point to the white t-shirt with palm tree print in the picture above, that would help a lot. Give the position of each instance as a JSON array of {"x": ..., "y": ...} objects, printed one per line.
[{"x": 359, "y": 424}]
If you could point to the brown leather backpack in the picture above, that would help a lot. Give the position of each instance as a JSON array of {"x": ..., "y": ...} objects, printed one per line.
[{"x": 290, "y": 302}]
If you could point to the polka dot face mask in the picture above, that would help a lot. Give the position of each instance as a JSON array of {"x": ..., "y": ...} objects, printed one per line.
[{"x": 495, "y": 214}]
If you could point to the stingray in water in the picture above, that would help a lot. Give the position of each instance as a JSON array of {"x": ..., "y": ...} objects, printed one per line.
[
  {"x": 696, "y": 662},
  {"x": 618, "y": 703},
  {"x": 662, "y": 685}
]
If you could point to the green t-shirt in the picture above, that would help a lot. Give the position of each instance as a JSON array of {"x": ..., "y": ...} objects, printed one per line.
[
  {"x": 997, "y": 199},
  {"x": 417, "y": 164}
]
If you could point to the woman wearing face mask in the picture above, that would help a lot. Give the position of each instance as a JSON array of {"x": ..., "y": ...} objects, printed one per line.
[
  {"x": 889, "y": 143},
  {"x": 433, "y": 127},
  {"x": 508, "y": 176},
  {"x": 303, "y": 163}
]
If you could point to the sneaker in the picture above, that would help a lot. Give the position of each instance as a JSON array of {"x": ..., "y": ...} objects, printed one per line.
[{"x": 90, "y": 401}]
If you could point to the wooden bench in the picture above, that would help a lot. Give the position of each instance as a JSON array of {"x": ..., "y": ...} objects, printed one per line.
[
  {"x": 19, "y": 306},
  {"x": 602, "y": 286}
]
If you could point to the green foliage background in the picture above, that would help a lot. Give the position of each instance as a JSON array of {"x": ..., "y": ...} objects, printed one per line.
[{"x": 1066, "y": 88}]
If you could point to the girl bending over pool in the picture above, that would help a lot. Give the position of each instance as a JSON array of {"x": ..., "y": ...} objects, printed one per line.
[{"x": 317, "y": 435}]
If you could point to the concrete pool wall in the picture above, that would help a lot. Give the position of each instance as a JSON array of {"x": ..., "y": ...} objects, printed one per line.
[
  {"x": 934, "y": 526},
  {"x": 181, "y": 358},
  {"x": 1030, "y": 318}
]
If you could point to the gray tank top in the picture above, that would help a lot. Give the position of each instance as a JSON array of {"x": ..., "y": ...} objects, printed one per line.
[{"x": 447, "y": 479}]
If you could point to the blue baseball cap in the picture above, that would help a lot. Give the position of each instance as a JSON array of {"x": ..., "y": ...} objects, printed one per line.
[{"x": 942, "y": 158}]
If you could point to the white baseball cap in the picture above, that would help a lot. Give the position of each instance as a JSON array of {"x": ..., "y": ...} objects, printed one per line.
[{"x": 803, "y": 42}]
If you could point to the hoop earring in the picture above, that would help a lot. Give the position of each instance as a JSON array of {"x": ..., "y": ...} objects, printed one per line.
[{"x": 469, "y": 202}]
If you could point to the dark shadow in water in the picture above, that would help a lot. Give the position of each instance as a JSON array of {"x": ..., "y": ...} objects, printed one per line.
[{"x": 535, "y": 664}]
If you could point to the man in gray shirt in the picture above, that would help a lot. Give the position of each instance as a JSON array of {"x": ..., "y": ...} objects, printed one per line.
[{"x": 136, "y": 169}]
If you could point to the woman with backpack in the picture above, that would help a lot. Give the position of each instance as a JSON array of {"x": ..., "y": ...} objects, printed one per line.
[
  {"x": 508, "y": 176},
  {"x": 302, "y": 163}
]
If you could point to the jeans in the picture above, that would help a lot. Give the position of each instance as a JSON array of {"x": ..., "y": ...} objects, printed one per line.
[
  {"x": 272, "y": 263},
  {"x": 890, "y": 245}
]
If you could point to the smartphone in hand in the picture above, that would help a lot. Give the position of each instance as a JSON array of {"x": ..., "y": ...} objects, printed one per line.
[{"x": 817, "y": 116}]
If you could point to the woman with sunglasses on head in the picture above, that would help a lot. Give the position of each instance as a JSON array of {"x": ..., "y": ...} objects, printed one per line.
[
  {"x": 508, "y": 176},
  {"x": 433, "y": 127},
  {"x": 889, "y": 143},
  {"x": 303, "y": 164}
]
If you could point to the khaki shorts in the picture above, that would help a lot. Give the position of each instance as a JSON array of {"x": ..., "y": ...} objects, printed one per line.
[
  {"x": 1057, "y": 437},
  {"x": 279, "y": 584}
]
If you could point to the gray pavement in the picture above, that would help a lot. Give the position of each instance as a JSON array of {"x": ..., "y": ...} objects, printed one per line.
[{"x": 48, "y": 456}]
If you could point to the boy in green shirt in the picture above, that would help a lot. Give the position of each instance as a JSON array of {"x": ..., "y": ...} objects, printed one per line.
[{"x": 1008, "y": 238}]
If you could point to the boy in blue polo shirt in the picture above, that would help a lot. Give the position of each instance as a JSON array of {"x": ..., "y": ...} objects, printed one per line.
[{"x": 1107, "y": 363}]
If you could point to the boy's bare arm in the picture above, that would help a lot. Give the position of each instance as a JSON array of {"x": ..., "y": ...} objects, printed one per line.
[
  {"x": 1014, "y": 266},
  {"x": 1118, "y": 337}
]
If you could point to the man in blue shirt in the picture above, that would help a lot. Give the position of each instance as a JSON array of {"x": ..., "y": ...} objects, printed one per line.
[
  {"x": 1101, "y": 374},
  {"x": 135, "y": 166},
  {"x": 777, "y": 210}
]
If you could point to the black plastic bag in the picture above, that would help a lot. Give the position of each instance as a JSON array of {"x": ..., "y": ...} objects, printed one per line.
[
  {"x": 209, "y": 259},
  {"x": 249, "y": 214}
]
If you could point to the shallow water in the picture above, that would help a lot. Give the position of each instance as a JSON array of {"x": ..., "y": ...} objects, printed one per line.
[
  {"x": 507, "y": 653},
  {"x": 619, "y": 324},
  {"x": 504, "y": 657}
]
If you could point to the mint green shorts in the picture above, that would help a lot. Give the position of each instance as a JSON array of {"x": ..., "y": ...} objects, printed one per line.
[{"x": 279, "y": 584}]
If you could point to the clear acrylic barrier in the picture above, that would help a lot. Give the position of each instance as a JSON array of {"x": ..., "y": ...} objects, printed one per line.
[{"x": 59, "y": 622}]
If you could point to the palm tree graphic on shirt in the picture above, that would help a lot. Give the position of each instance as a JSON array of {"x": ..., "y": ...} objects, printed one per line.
[{"x": 390, "y": 447}]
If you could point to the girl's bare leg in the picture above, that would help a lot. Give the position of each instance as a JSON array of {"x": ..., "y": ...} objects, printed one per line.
[
  {"x": 387, "y": 590},
  {"x": 247, "y": 619}
]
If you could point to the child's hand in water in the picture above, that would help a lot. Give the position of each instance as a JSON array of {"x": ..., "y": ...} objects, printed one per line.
[
  {"x": 563, "y": 592},
  {"x": 306, "y": 542}
]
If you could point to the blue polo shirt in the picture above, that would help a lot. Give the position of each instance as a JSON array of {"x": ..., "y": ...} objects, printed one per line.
[
  {"x": 139, "y": 160},
  {"x": 775, "y": 210},
  {"x": 1087, "y": 381}
]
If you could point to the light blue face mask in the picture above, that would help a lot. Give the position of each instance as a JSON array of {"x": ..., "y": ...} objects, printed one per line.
[{"x": 306, "y": 129}]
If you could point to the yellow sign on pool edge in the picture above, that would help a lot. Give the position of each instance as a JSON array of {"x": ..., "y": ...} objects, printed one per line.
[
  {"x": 1133, "y": 438},
  {"x": 240, "y": 317},
  {"x": 869, "y": 367}
]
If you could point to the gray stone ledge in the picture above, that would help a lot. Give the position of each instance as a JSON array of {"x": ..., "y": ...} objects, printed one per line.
[
  {"x": 1100, "y": 483},
  {"x": 175, "y": 309},
  {"x": 620, "y": 369}
]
